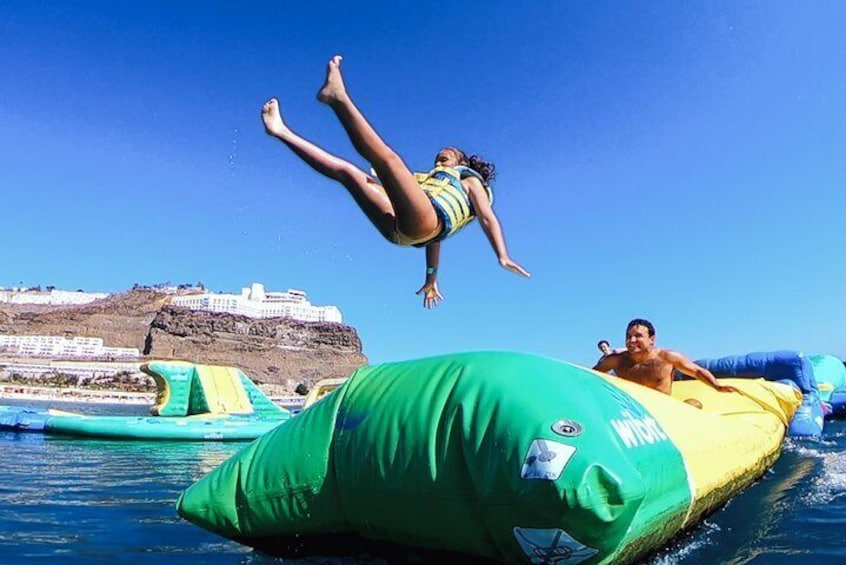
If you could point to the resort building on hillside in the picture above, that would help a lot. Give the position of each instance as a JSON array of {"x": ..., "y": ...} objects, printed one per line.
[
  {"x": 255, "y": 302},
  {"x": 57, "y": 347},
  {"x": 53, "y": 296}
]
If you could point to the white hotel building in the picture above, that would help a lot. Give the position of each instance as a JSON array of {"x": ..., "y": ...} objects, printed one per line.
[
  {"x": 255, "y": 302},
  {"x": 16, "y": 296},
  {"x": 59, "y": 347}
]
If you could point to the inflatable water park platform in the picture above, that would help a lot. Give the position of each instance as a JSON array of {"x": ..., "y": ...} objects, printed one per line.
[
  {"x": 193, "y": 402},
  {"x": 820, "y": 378},
  {"x": 495, "y": 456}
]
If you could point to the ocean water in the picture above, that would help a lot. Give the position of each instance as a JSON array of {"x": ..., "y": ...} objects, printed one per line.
[{"x": 66, "y": 500}]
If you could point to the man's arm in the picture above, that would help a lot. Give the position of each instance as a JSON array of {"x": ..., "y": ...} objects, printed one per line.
[
  {"x": 607, "y": 363},
  {"x": 491, "y": 227},
  {"x": 691, "y": 369}
]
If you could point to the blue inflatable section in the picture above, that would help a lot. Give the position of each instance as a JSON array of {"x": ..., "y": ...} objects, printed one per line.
[
  {"x": 838, "y": 403},
  {"x": 789, "y": 367},
  {"x": 22, "y": 419}
]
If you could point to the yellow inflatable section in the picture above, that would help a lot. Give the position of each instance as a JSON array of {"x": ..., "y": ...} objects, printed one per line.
[
  {"x": 223, "y": 390},
  {"x": 727, "y": 443}
]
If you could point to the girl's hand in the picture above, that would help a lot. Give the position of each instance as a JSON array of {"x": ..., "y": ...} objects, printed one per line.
[
  {"x": 512, "y": 266},
  {"x": 431, "y": 295}
]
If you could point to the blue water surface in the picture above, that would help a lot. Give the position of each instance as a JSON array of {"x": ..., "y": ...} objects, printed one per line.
[
  {"x": 99, "y": 501},
  {"x": 796, "y": 513}
]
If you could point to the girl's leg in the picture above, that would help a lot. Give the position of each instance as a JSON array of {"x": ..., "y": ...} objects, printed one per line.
[
  {"x": 369, "y": 196},
  {"x": 415, "y": 215}
]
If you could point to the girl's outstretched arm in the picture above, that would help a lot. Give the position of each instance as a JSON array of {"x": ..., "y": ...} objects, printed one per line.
[
  {"x": 491, "y": 227},
  {"x": 431, "y": 295}
]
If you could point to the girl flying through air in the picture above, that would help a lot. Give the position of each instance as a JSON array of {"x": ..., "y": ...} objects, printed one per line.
[{"x": 407, "y": 208}]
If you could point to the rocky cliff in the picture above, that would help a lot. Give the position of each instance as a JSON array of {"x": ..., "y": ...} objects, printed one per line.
[
  {"x": 122, "y": 320},
  {"x": 277, "y": 351}
]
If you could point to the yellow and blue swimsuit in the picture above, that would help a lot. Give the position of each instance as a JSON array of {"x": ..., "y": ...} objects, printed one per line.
[{"x": 448, "y": 197}]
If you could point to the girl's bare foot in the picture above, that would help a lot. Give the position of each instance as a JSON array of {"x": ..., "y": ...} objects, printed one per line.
[
  {"x": 272, "y": 118},
  {"x": 333, "y": 89}
]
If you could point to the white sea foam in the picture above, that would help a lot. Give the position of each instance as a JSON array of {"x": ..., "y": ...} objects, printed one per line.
[
  {"x": 830, "y": 482},
  {"x": 687, "y": 546},
  {"x": 809, "y": 447}
]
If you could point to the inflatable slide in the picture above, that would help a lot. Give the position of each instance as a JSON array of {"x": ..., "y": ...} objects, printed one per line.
[{"x": 193, "y": 402}]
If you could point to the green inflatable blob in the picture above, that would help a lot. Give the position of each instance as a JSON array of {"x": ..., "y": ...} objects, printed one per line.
[
  {"x": 502, "y": 456},
  {"x": 829, "y": 373}
]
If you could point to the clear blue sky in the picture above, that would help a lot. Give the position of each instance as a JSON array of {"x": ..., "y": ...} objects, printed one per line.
[{"x": 683, "y": 162}]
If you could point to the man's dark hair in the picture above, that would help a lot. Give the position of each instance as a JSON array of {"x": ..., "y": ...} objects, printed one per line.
[
  {"x": 641, "y": 322},
  {"x": 601, "y": 342}
]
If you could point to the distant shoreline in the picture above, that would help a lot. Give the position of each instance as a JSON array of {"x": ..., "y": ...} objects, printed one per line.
[
  {"x": 91, "y": 396},
  {"x": 76, "y": 395}
]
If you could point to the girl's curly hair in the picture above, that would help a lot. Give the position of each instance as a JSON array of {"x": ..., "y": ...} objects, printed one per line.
[{"x": 475, "y": 162}]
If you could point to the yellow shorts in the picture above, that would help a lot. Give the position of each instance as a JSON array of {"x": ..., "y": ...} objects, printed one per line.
[
  {"x": 397, "y": 236},
  {"x": 401, "y": 239}
]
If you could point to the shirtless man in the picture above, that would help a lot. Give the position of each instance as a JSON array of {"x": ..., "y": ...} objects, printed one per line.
[{"x": 645, "y": 364}]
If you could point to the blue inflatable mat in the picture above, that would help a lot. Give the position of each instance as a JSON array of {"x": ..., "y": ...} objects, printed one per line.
[
  {"x": 789, "y": 367},
  {"x": 21, "y": 419}
]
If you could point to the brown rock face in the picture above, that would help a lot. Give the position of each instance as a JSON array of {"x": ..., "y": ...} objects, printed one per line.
[
  {"x": 274, "y": 350},
  {"x": 277, "y": 351},
  {"x": 122, "y": 320}
]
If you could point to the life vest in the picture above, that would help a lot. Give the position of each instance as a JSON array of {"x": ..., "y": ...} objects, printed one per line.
[{"x": 443, "y": 186}]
